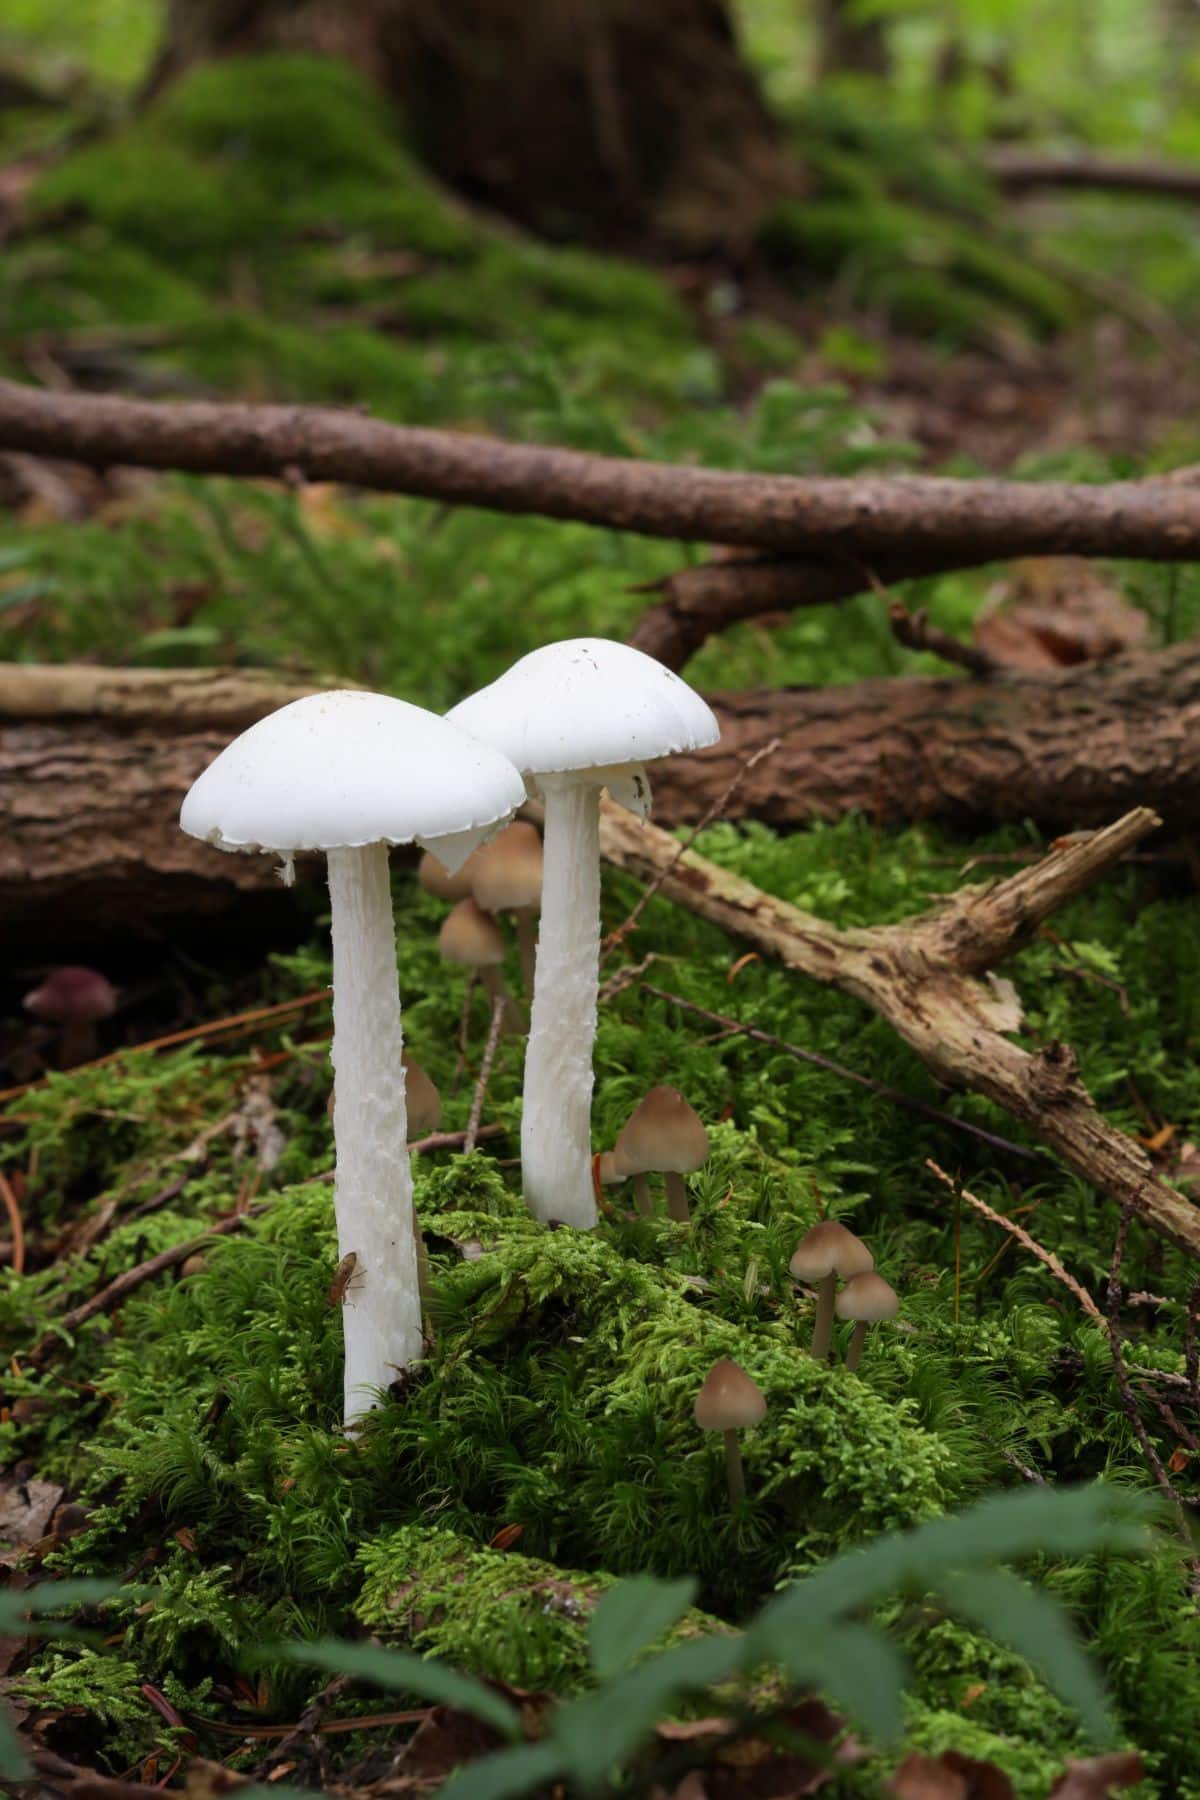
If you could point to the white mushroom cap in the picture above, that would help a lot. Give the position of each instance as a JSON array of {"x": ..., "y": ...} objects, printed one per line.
[
  {"x": 587, "y": 704},
  {"x": 343, "y": 769}
]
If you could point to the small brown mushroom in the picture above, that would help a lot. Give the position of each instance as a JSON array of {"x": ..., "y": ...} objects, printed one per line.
[
  {"x": 507, "y": 877},
  {"x": 823, "y": 1254},
  {"x": 422, "y": 1099},
  {"x": 75, "y": 999},
  {"x": 728, "y": 1402},
  {"x": 867, "y": 1299},
  {"x": 664, "y": 1135},
  {"x": 436, "y": 879},
  {"x": 472, "y": 938}
]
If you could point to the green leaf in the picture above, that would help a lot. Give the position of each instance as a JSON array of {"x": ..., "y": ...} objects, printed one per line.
[
  {"x": 420, "y": 1675},
  {"x": 1038, "y": 1629},
  {"x": 12, "y": 1758},
  {"x": 853, "y": 1665},
  {"x": 507, "y": 1773},
  {"x": 48, "y": 1597},
  {"x": 601, "y": 1729},
  {"x": 633, "y": 1615}
]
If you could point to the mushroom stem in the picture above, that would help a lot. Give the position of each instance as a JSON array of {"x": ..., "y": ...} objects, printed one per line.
[
  {"x": 857, "y": 1340},
  {"x": 677, "y": 1200},
  {"x": 735, "y": 1474},
  {"x": 556, "y": 1124},
  {"x": 822, "y": 1335},
  {"x": 642, "y": 1198},
  {"x": 527, "y": 932},
  {"x": 496, "y": 988},
  {"x": 373, "y": 1191}
]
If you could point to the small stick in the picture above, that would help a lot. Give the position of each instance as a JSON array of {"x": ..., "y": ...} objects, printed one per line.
[
  {"x": 1191, "y": 1352},
  {"x": 1048, "y": 1257},
  {"x": 437, "y": 1140},
  {"x": 18, "y": 1229},
  {"x": 914, "y": 631},
  {"x": 616, "y": 938},
  {"x": 1129, "y": 1403},
  {"x": 499, "y": 1004}
]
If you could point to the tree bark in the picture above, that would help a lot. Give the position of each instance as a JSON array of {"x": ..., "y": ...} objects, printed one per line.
[{"x": 605, "y": 119}]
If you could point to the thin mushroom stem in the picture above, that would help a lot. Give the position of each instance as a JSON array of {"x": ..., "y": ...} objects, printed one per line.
[
  {"x": 735, "y": 1474},
  {"x": 527, "y": 923},
  {"x": 556, "y": 1123},
  {"x": 858, "y": 1339},
  {"x": 822, "y": 1335},
  {"x": 373, "y": 1193},
  {"x": 677, "y": 1200},
  {"x": 642, "y": 1197},
  {"x": 497, "y": 992}
]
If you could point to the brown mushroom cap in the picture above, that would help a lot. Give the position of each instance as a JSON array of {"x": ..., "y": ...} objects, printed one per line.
[
  {"x": 729, "y": 1399},
  {"x": 507, "y": 873},
  {"x": 422, "y": 1098},
  {"x": 72, "y": 995},
  {"x": 436, "y": 879},
  {"x": 830, "y": 1249},
  {"x": 471, "y": 936},
  {"x": 867, "y": 1298},
  {"x": 663, "y": 1135}
]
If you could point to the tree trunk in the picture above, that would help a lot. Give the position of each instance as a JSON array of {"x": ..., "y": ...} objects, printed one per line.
[
  {"x": 94, "y": 764},
  {"x": 601, "y": 119}
]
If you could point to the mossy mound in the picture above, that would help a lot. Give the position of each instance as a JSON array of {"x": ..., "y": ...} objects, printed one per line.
[{"x": 264, "y": 218}]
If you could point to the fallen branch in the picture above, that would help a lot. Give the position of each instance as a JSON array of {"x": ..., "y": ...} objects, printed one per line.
[
  {"x": 1019, "y": 170},
  {"x": 929, "y": 978},
  {"x": 857, "y": 517}
]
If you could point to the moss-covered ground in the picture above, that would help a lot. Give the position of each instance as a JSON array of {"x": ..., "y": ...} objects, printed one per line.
[{"x": 266, "y": 234}]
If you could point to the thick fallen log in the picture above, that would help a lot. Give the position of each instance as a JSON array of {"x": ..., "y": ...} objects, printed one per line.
[
  {"x": 1073, "y": 747},
  {"x": 860, "y": 518},
  {"x": 929, "y": 978},
  {"x": 93, "y": 766},
  {"x": 95, "y": 762}
]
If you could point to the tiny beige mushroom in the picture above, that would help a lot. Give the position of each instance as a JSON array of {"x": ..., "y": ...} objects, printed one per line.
[
  {"x": 728, "y": 1402},
  {"x": 423, "y": 1100},
  {"x": 867, "y": 1299},
  {"x": 662, "y": 1135},
  {"x": 437, "y": 880},
  {"x": 472, "y": 938},
  {"x": 823, "y": 1254},
  {"x": 507, "y": 877}
]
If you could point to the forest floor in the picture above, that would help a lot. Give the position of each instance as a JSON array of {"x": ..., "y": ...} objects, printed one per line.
[{"x": 279, "y": 243}]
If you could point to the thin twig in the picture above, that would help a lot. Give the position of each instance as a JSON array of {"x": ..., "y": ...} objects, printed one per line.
[
  {"x": 1191, "y": 1350},
  {"x": 211, "y": 1028},
  {"x": 306, "y": 1727},
  {"x": 616, "y": 938},
  {"x": 898, "y": 1098},
  {"x": 17, "y": 1256},
  {"x": 915, "y": 632},
  {"x": 485, "y": 1069},
  {"x": 625, "y": 977},
  {"x": 1031, "y": 1244},
  {"x": 437, "y": 1140},
  {"x": 1129, "y": 1403}
]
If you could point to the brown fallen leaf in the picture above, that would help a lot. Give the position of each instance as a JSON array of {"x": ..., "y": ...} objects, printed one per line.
[
  {"x": 1056, "y": 611},
  {"x": 1095, "y": 1777},
  {"x": 26, "y": 1509},
  {"x": 950, "y": 1776},
  {"x": 442, "y": 1743}
]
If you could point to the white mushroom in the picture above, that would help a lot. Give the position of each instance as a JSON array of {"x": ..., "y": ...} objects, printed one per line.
[
  {"x": 576, "y": 717},
  {"x": 349, "y": 773}
]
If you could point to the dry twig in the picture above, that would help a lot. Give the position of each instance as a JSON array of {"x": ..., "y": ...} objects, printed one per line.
[
  {"x": 1129, "y": 1405},
  {"x": 1051, "y": 1261},
  {"x": 499, "y": 1004},
  {"x": 17, "y": 1253}
]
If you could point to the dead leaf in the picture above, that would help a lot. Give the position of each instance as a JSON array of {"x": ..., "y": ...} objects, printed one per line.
[
  {"x": 26, "y": 1509},
  {"x": 1095, "y": 1777},
  {"x": 1180, "y": 1459},
  {"x": 950, "y": 1776},
  {"x": 1056, "y": 611},
  {"x": 442, "y": 1743},
  {"x": 254, "y": 1124}
]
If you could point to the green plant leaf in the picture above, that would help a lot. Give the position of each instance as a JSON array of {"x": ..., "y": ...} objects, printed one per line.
[
  {"x": 853, "y": 1665},
  {"x": 601, "y": 1729},
  {"x": 49, "y": 1597},
  {"x": 633, "y": 1615},
  {"x": 418, "y": 1675},
  {"x": 507, "y": 1773},
  {"x": 13, "y": 1764},
  {"x": 1038, "y": 1629}
]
